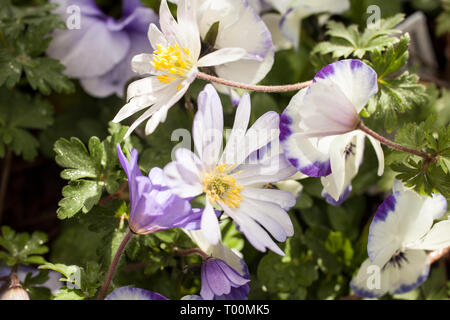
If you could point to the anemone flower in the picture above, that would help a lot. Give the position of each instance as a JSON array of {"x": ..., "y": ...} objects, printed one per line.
[
  {"x": 172, "y": 67},
  {"x": 153, "y": 206},
  {"x": 319, "y": 132},
  {"x": 228, "y": 180},
  {"x": 400, "y": 232},
  {"x": 98, "y": 52}
]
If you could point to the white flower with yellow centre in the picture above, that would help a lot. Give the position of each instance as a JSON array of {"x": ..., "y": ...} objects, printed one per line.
[
  {"x": 172, "y": 66},
  {"x": 229, "y": 179}
]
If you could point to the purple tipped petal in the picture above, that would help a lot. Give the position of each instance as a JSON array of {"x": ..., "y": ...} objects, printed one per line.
[
  {"x": 220, "y": 281},
  {"x": 329, "y": 199},
  {"x": 383, "y": 210},
  {"x": 153, "y": 206},
  {"x": 354, "y": 78},
  {"x": 130, "y": 293}
]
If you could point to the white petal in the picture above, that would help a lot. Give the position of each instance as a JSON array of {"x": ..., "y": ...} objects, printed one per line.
[
  {"x": 210, "y": 225},
  {"x": 345, "y": 156},
  {"x": 189, "y": 36},
  {"x": 282, "y": 198},
  {"x": 438, "y": 237},
  {"x": 412, "y": 273},
  {"x": 255, "y": 234},
  {"x": 208, "y": 127},
  {"x": 141, "y": 64},
  {"x": 261, "y": 210},
  {"x": 326, "y": 111},
  {"x": 273, "y": 169},
  {"x": 239, "y": 27},
  {"x": 380, "y": 154},
  {"x": 169, "y": 26},
  {"x": 183, "y": 175},
  {"x": 264, "y": 130},
  {"x": 265, "y": 220},
  {"x": 221, "y": 56},
  {"x": 365, "y": 282},
  {"x": 436, "y": 206},
  {"x": 241, "y": 120},
  {"x": 398, "y": 222},
  {"x": 290, "y": 25},
  {"x": 156, "y": 37},
  {"x": 374, "y": 281},
  {"x": 272, "y": 21},
  {"x": 355, "y": 79},
  {"x": 309, "y": 155},
  {"x": 292, "y": 186}
]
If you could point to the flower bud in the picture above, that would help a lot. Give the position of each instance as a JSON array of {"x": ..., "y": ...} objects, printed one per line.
[{"x": 15, "y": 291}]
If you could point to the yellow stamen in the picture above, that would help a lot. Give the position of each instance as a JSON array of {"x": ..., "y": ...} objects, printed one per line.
[
  {"x": 220, "y": 186},
  {"x": 173, "y": 61}
]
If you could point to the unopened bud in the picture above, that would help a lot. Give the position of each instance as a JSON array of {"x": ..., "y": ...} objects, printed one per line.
[{"x": 15, "y": 291}]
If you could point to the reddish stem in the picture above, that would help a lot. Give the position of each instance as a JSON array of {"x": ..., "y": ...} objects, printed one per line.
[
  {"x": 229, "y": 83},
  {"x": 113, "y": 266},
  {"x": 394, "y": 145},
  {"x": 198, "y": 251}
]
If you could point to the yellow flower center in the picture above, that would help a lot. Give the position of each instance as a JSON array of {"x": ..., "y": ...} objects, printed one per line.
[
  {"x": 173, "y": 61},
  {"x": 220, "y": 186}
]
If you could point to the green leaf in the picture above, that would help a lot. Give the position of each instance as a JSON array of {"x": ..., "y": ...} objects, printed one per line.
[
  {"x": 211, "y": 35},
  {"x": 443, "y": 20},
  {"x": 349, "y": 41},
  {"x": 90, "y": 170},
  {"x": 435, "y": 286},
  {"x": 396, "y": 95},
  {"x": 69, "y": 294},
  {"x": 79, "y": 195},
  {"x": 23, "y": 248},
  {"x": 19, "y": 112},
  {"x": 24, "y": 38},
  {"x": 74, "y": 155}
]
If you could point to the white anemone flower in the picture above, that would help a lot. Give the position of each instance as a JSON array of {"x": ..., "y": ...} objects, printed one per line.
[
  {"x": 318, "y": 128},
  {"x": 228, "y": 180},
  {"x": 294, "y": 11},
  {"x": 172, "y": 66},
  {"x": 400, "y": 232}
]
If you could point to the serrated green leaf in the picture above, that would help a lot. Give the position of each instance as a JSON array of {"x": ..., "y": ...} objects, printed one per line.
[
  {"x": 23, "y": 248},
  {"x": 349, "y": 41},
  {"x": 79, "y": 195}
]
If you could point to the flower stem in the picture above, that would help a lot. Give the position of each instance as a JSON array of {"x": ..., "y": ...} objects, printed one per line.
[
  {"x": 229, "y": 83},
  {"x": 198, "y": 251},
  {"x": 394, "y": 145},
  {"x": 5, "y": 179},
  {"x": 113, "y": 266}
]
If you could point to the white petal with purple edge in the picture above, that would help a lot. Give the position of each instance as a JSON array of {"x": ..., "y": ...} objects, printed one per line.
[
  {"x": 130, "y": 293},
  {"x": 398, "y": 222},
  {"x": 356, "y": 80}
]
